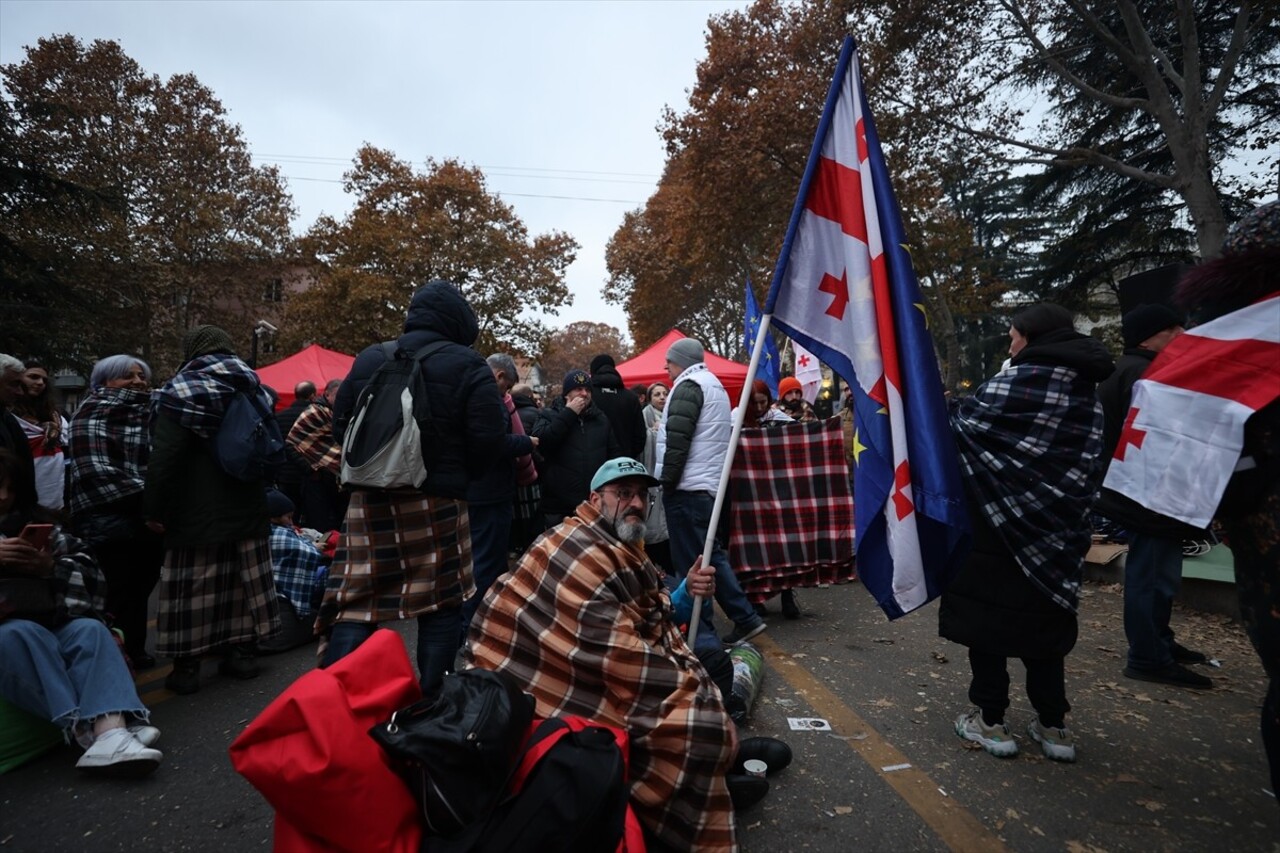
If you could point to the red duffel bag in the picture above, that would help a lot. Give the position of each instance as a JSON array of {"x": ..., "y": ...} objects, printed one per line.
[{"x": 310, "y": 755}]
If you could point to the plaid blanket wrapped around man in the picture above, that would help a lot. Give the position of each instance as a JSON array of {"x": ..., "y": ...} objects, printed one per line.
[
  {"x": 791, "y": 509},
  {"x": 584, "y": 624}
]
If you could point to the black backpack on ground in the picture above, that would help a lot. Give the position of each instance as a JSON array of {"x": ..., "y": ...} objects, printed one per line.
[{"x": 568, "y": 795}]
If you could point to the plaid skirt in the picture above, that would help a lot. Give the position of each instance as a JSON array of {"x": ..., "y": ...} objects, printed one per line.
[
  {"x": 401, "y": 554},
  {"x": 214, "y": 595}
]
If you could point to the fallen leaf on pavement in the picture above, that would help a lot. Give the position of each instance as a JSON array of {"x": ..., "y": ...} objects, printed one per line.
[{"x": 843, "y": 809}]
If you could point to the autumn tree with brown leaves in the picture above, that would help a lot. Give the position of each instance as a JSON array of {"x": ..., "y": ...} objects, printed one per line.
[
  {"x": 735, "y": 160},
  {"x": 130, "y": 208},
  {"x": 576, "y": 344},
  {"x": 409, "y": 227}
]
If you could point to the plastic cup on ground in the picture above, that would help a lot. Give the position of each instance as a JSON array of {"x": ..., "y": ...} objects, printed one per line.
[{"x": 755, "y": 767}]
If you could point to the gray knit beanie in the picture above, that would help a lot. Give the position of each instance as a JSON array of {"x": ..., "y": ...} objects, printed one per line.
[
  {"x": 685, "y": 353},
  {"x": 204, "y": 340}
]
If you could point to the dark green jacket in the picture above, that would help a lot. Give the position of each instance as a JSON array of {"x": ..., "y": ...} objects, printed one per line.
[{"x": 197, "y": 502}]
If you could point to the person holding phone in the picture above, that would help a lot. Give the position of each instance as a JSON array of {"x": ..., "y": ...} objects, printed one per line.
[{"x": 57, "y": 659}]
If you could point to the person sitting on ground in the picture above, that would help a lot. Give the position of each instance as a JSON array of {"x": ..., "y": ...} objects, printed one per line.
[
  {"x": 299, "y": 571},
  {"x": 586, "y": 625},
  {"x": 57, "y": 659}
]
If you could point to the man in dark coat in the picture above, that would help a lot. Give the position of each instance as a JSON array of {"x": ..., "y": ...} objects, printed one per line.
[
  {"x": 407, "y": 554},
  {"x": 574, "y": 439},
  {"x": 622, "y": 407},
  {"x": 1153, "y": 566},
  {"x": 291, "y": 474}
]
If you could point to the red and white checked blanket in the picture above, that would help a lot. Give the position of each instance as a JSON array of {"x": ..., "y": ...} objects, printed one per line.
[{"x": 791, "y": 509}]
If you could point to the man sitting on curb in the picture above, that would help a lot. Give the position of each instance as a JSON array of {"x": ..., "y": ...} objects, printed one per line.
[{"x": 585, "y": 624}]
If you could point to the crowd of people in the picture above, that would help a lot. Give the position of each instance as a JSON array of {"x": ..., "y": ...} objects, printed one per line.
[{"x": 562, "y": 543}]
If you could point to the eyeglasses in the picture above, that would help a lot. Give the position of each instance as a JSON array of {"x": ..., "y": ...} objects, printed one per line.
[{"x": 627, "y": 495}]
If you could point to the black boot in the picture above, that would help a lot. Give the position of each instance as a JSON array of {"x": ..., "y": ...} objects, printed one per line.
[
  {"x": 745, "y": 791},
  {"x": 790, "y": 609},
  {"x": 185, "y": 678},
  {"x": 240, "y": 661}
]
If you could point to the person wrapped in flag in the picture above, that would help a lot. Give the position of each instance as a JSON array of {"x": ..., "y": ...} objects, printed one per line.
[
  {"x": 1203, "y": 437},
  {"x": 1030, "y": 444}
]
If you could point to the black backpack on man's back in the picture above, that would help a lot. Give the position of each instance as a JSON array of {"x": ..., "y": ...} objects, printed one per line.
[{"x": 382, "y": 447}]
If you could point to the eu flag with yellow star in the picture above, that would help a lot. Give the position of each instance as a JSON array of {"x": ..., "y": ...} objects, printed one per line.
[
  {"x": 767, "y": 369},
  {"x": 845, "y": 289}
]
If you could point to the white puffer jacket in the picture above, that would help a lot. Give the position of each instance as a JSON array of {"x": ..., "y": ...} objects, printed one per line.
[{"x": 704, "y": 432}]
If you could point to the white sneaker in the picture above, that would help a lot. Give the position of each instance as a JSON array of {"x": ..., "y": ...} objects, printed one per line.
[
  {"x": 119, "y": 753},
  {"x": 146, "y": 735},
  {"x": 997, "y": 740},
  {"x": 1057, "y": 744}
]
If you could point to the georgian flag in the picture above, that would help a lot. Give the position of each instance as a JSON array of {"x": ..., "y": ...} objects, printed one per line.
[
  {"x": 1184, "y": 431},
  {"x": 808, "y": 373},
  {"x": 845, "y": 291}
]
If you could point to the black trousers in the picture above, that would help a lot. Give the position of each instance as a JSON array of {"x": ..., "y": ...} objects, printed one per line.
[
  {"x": 1046, "y": 686},
  {"x": 132, "y": 569}
]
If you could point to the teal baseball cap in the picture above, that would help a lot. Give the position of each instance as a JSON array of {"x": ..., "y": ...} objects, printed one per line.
[{"x": 622, "y": 468}]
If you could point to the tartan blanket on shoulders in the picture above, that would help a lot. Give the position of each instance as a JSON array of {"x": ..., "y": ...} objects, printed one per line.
[
  {"x": 198, "y": 396},
  {"x": 312, "y": 438},
  {"x": 584, "y": 624},
  {"x": 791, "y": 509},
  {"x": 109, "y": 446},
  {"x": 1030, "y": 444}
]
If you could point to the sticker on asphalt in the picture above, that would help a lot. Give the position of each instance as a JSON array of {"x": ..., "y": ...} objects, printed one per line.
[{"x": 808, "y": 724}]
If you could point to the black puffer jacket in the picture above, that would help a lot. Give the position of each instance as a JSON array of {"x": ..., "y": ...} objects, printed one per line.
[
  {"x": 572, "y": 447},
  {"x": 621, "y": 407},
  {"x": 465, "y": 405}
]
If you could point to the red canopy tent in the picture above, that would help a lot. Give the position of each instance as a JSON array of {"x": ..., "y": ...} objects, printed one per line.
[
  {"x": 650, "y": 366},
  {"x": 313, "y": 364}
]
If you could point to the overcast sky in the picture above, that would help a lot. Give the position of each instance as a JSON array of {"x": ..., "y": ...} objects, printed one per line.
[{"x": 556, "y": 102}]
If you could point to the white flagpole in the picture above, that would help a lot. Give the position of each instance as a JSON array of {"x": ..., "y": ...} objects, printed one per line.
[{"x": 744, "y": 400}]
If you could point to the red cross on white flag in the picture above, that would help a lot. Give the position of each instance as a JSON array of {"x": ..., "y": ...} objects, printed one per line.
[{"x": 1183, "y": 435}]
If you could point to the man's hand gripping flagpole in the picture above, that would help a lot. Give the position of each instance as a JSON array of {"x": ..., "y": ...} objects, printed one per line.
[{"x": 738, "y": 415}]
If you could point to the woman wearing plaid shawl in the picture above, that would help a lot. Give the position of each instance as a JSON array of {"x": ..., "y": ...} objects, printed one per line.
[
  {"x": 216, "y": 590},
  {"x": 110, "y": 442},
  {"x": 1030, "y": 442}
]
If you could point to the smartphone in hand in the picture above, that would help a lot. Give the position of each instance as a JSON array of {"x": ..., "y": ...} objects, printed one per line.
[{"x": 37, "y": 535}]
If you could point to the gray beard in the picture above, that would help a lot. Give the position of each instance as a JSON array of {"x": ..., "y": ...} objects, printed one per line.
[{"x": 631, "y": 532}]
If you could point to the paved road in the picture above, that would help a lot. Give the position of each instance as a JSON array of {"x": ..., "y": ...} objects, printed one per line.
[{"x": 1160, "y": 768}]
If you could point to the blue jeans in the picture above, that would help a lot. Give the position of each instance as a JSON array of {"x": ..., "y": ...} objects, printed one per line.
[
  {"x": 438, "y": 633},
  {"x": 490, "y": 537},
  {"x": 1152, "y": 575},
  {"x": 688, "y": 517},
  {"x": 66, "y": 675}
]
